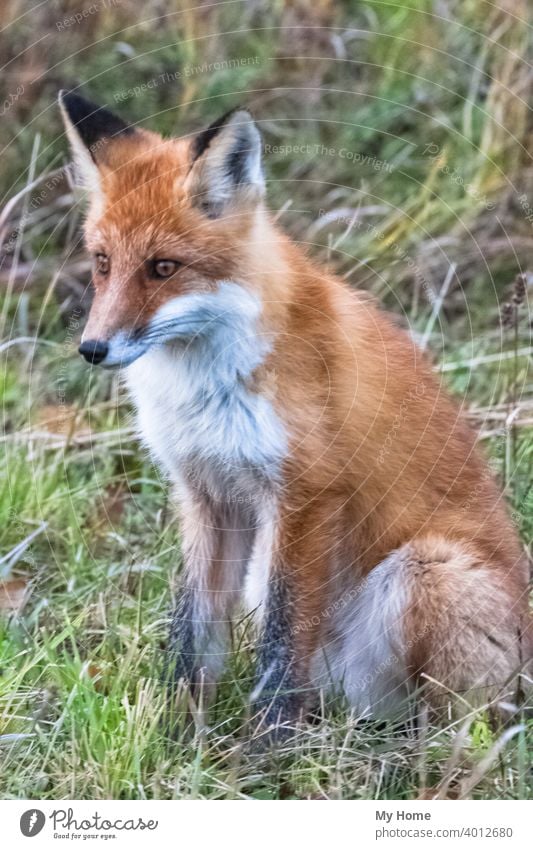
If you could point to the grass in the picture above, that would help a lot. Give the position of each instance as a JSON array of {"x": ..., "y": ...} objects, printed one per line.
[{"x": 413, "y": 171}]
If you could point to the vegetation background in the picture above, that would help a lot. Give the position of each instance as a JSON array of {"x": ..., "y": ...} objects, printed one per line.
[{"x": 413, "y": 178}]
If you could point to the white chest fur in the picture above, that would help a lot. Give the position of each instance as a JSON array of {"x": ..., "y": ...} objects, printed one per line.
[{"x": 195, "y": 411}]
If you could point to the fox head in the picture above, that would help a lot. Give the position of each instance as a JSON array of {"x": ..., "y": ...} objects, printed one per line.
[{"x": 168, "y": 220}]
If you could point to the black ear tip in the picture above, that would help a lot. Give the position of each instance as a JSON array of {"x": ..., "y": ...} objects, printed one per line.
[
  {"x": 202, "y": 141},
  {"x": 92, "y": 122},
  {"x": 78, "y": 108},
  {"x": 69, "y": 98},
  {"x": 238, "y": 112}
]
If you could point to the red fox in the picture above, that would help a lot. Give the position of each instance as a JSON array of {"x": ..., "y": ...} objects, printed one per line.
[{"x": 325, "y": 479}]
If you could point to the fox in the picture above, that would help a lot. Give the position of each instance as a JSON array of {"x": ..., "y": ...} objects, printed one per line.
[{"x": 327, "y": 484}]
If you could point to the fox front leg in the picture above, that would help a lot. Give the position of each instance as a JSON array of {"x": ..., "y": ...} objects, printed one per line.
[
  {"x": 291, "y": 631},
  {"x": 277, "y": 698},
  {"x": 215, "y": 555},
  {"x": 186, "y": 659}
]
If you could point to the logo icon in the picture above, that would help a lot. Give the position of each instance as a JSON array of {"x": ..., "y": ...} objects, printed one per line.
[{"x": 32, "y": 822}]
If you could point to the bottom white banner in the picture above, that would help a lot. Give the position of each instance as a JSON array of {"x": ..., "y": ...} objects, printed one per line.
[{"x": 257, "y": 824}]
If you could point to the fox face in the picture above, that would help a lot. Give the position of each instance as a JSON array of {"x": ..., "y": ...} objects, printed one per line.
[{"x": 168, "y": 221}]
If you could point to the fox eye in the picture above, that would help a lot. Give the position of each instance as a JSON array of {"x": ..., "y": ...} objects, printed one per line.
[
  {"x": 165, "y": 267},
  {"x": 102, "y": 263}
]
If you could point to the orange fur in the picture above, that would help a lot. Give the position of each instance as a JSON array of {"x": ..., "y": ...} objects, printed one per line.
[{"x": 380, "y": 459}]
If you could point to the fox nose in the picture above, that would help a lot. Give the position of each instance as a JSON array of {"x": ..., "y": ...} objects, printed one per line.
[{"x": 94, "y": 351}]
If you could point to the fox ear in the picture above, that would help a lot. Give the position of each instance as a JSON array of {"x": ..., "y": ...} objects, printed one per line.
[
  {"x": 226, "y": 164},
  {"x": 89, "y": 127}
]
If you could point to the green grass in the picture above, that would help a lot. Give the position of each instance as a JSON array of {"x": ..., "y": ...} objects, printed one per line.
[{"x": 438, "y": 101}]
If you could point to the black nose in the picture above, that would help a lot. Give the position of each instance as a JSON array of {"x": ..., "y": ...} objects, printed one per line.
[{"x": 94, "y": 351}]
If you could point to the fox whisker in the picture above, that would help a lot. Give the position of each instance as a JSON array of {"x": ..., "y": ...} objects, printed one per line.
[{"x": 165, "y": 328}]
